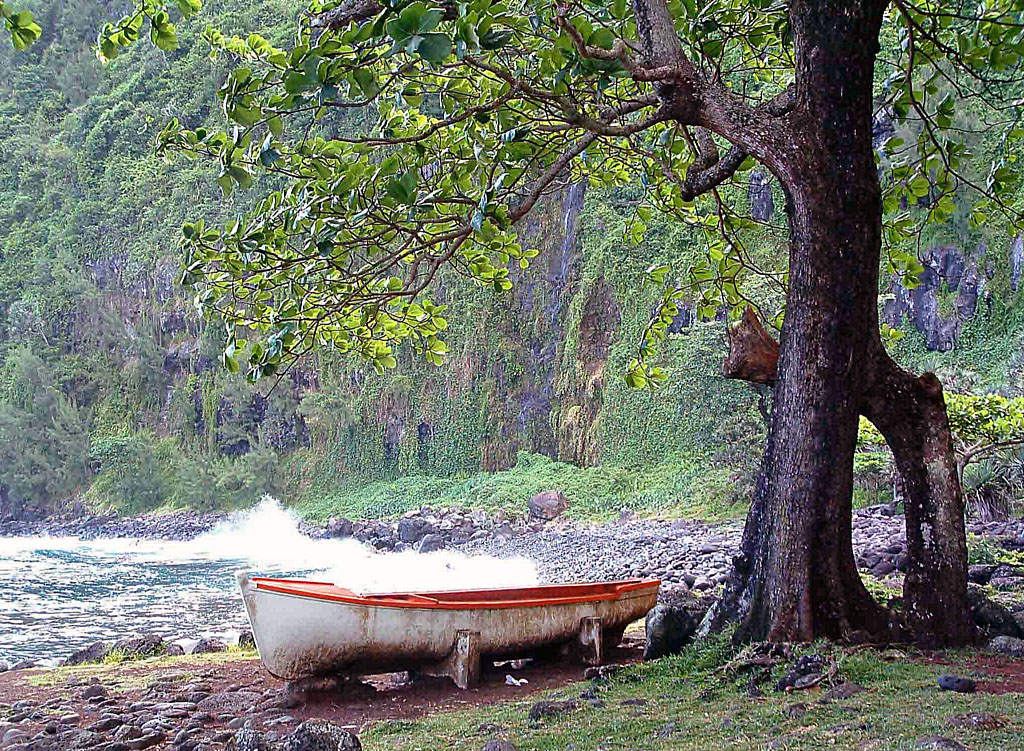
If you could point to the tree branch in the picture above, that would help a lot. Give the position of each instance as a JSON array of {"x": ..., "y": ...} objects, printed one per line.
[
  {"x": 344, "y": 14},
  {"x": 700, "y": 181}
]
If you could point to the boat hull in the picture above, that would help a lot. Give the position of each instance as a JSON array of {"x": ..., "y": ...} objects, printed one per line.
[{"x": 300, "y": 636}]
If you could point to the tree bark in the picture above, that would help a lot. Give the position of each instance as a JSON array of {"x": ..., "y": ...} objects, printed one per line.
[
  {"x": 911, "y": 413},
  {"x": 796, "y": 576},
  {"x": 753, "y": 353}
]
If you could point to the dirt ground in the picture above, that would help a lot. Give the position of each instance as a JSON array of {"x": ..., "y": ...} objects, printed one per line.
[
  {"x": 995, "y": 674},
  {"x": 352, "y": 704}
]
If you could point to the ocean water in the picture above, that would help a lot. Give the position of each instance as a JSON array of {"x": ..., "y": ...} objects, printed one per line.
[{"x": 58, "y": 594}]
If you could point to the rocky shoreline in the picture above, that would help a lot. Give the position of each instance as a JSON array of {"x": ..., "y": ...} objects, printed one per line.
[
  {"x": 692, "y": 555},
  {"x": 179, "y": 711}
]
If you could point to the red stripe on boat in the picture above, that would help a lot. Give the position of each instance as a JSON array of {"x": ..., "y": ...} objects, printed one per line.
[{"x": 462, "y": 599}]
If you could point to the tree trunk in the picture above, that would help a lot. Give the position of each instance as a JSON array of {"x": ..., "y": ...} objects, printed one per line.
[
  {"x": 911, "y": 413},
  {"x": 797, "y": 575}
]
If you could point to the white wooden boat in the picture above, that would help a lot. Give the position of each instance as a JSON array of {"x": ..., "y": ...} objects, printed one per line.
[{"x": 307, "y": 629}]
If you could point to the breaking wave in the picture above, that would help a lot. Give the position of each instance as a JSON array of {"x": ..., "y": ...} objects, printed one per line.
[{"x": 60, "y": 593}]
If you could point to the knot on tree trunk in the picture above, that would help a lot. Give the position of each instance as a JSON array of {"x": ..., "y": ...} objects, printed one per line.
[
  {"x": 930, "y": 385},
  {"x": 753, "y": 352}
]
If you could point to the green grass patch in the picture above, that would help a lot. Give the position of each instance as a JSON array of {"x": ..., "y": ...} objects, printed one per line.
[
  {"x": 117, "y": 672},
  {"x": 693, "y": 701},
  {"x": 982, "y": 550},
  {"x": 681, "y": 488}
]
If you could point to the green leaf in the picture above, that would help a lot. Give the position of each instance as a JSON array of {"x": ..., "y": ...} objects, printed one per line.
[
  {"x": 495, "y": 39},
  {"x": 189, "y": 8},
  {"x": 22, "y": 27},
  {"x": 602, "y": 37},
  {"x": 657, "y": 273},
  {"x": 164, "y": 37},
  {"x": 403, "y": 189},
  {"x": 435, "y": 47}
]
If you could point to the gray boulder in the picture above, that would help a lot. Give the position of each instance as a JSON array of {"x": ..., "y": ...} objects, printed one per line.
[
  {"x": 1007, "y": 645},
  {"x": 95, "y": 652},
  {"x": 938, "y": 743},
  {"x": 1007, "y": 571},
  {"x": 206, "y": 646},
  {"x": 548, "y": 505},
  {"x": 991, "y": 617},
  {"x": 94, "y": 691},
  {"x": 547, "y": 708},
  {"x": 230, "y": 702},
  {"x": 340, "y": 527},
  {"x": 140, "y": 647},
  {"x": 412, "y": 529},
  {"x": 246, "y": 640},
  {"x": 499, "y": 745},
  {"x": 673, "y": 622},
  {"x": 430, "y": 543},
  {"x": 980, "y": 573},
  {"x": 248, "y": 739},
  {"x": 320, "y": 735}
]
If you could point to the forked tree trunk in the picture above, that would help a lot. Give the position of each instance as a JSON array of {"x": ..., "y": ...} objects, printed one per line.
[
  {"x": 803, "y": 581},
  {"x": 796, "y": 578}
]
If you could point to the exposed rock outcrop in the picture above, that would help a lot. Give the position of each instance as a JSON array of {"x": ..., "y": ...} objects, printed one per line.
[
  {"x": 673, "y": 622},
  {"x": 946, "y": 297},
  {"x": 581, "y": 394}
]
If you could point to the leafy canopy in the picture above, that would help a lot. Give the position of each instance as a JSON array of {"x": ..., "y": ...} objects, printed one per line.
[{"x": 473, "y": 111}]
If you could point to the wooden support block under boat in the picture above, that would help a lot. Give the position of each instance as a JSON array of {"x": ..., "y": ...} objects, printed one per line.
[
  {"x": 304, "y": 628},
  {"x": 462, "y": 664},
  {"x": 591, "y": 648}
]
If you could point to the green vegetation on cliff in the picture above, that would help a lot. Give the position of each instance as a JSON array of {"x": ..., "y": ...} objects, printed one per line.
[{"x": 111, "y": 389}]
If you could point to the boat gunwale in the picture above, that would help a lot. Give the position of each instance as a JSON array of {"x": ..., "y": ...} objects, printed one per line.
[{"x": 423, "y": 601}]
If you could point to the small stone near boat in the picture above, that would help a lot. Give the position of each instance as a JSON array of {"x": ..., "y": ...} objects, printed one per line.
[
  {"x": 95, "y": 652},
  {"x": 957, "y": 684},
  {"x": 548, "y": 708},
  {"x": 938, "y": 743},
  {"x": 140, "y": 647},
  {"x": 673, "y": 622},
  {"x": 499, "y": 745},
  {"x": 1007, "y": 645},
  {"x": 320, "y": 735}
]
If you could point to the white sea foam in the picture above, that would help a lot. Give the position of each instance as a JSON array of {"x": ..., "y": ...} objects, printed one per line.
[{"x": 267, "y": 540}]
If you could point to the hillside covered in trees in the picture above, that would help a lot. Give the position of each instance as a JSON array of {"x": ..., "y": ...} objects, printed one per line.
[{"x": 111, "y": 386}]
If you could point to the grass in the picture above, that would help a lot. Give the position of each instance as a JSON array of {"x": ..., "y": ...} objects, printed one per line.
[
  {"x": 116, "y": 672},
  {"x": 691, "y": 702},
  {"x": 682, "y": 488},
  {"x": 981, "y": 550}
]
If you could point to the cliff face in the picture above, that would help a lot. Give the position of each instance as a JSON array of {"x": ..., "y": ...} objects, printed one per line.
[
  {"x": 946, "y": 297},
  {"x": 109, "y": 381},
  {"x": 538, "y": 369},
  {"x": 959, "y": 282}
]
